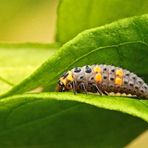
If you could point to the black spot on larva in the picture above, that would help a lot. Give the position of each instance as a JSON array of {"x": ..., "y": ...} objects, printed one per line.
[
  {"x": 112, "y": 79},
  {"x": 145, "y": 87},
  {"x": 77, "y": 69},
  {"x": 125, "y": 82},
  {"x": 140, "y": 82},
  {"x": 113, "y": 70},
  {"x": 81, "y": 77},
  {"x": 136, "y": 87},
  {"x": 111, "y": 86},
  {"x": 104, "y": 77},
  {"x": 105, "y": 69},
  {"x": 88, "y": 69},
  {"x": 127, "y": 74},
  {"x": 142, "y": 91},
  {"x": 134, "y": 78},
  {"x": 131, "y": 84},
  {"x": 92, "y": 78}
]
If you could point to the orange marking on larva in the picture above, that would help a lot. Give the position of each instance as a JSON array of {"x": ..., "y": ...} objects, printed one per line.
[
  {"x": 97, "y": 69},
  {"x": 98, "y": 77},
  {"x": 119, "y": 72},
  {"x": 118, "y": 81}
]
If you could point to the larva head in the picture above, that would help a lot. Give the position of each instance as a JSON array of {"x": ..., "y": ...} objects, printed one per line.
[{"x": 65, "y": 82}]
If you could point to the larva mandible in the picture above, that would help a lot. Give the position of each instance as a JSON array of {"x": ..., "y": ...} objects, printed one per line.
[{"x": 102, "y": 79}]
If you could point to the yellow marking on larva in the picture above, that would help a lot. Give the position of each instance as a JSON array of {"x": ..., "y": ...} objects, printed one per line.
[
  {"x": 118, "y": 81},
  {"x": 63, "y": 81},
  {"x": 98, "y": 77},
  {"x": 69, "y": 77},
  {"x": 97, "y": 69},
  {"x": 119, "y": 72}
]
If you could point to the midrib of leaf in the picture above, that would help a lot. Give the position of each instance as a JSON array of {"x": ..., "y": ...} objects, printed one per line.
[{"x": 132, "y": 106}]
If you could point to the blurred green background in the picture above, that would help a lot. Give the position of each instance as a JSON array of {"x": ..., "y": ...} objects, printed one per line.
[{"x": 27, "y": 20}]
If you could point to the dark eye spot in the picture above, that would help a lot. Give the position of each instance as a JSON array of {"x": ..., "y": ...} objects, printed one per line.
[
  {"x": 81, "y": 77},
  {"x": 145, "y": 87},
  {"x": 77, "y": 69}
]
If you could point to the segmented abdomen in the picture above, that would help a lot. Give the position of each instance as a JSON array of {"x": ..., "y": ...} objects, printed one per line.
[{"x": 110, "y": 79}]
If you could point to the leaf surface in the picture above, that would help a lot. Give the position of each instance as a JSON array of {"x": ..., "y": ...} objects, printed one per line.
[
  {"x": 75, "y": 16},
  {"x": 66, "y": 120}
]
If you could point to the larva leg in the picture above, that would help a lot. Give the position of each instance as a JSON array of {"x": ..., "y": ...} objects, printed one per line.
[
  {"x": 105, "y": 93},
  {"x": 74, "y": 87},
  {"x": 98, "y": 90},
  {"x": 82, "y": 86}
]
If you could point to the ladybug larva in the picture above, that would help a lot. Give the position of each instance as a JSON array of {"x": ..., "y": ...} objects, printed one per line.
[{"x": 102, "y": 79}]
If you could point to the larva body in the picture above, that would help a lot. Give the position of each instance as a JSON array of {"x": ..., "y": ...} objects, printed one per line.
[{"x": 103, "y": 79}]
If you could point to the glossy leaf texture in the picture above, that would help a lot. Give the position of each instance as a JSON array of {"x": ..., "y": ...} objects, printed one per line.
[
  {"x": 123, "y": 43},
  {"x": 65, "y": 120},
  {"x": 75, "y": 16}
]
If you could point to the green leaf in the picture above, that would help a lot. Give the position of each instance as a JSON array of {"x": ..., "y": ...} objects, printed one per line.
[
  {"x": 13, "y": 64},
  {"x": 121, "y": 43},
  {"x": 56, "y": 120},
  {"x": 75, "y": 16}
]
